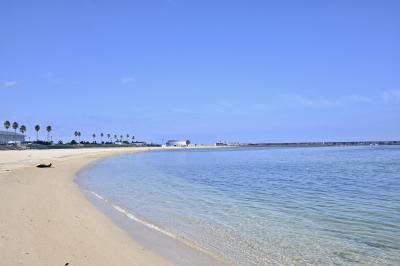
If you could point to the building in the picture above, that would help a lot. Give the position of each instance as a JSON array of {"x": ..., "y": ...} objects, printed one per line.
[
  {"x": 9, "y": 137},
  {"x": 139, "y": 143},
  {"x": 178, "y": 143}
]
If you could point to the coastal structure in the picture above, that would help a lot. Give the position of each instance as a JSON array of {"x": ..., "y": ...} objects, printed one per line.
[
  {"x": 178, "y": 143},
  {"x": 139, "y": 143},
  {"x": 7, "y": 137}
]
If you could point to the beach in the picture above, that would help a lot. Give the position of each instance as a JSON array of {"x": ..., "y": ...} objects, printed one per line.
[
  {"x": 247, "y": 206},
  {"x": 46, "y": 220}
]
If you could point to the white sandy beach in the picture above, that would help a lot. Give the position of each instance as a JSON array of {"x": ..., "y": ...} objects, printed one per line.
[{"x": 46, "y": 220}]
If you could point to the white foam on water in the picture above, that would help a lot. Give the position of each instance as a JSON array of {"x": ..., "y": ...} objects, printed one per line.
[
  {"x": 149, "y": 225},
  {"x": 134, "y": 217},
  {"x": 153, "y": 226},
  {"x": 98, "y": 196}
]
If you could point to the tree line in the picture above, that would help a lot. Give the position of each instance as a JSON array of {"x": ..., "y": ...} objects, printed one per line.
[
  {"x": 22, "y": 129},
  {"x": 7, "y": 124},
  {"x": 111, "y": 138}
]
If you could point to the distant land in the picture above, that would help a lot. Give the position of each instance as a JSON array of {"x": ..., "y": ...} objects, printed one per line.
[{"x": 312, "y": 144}]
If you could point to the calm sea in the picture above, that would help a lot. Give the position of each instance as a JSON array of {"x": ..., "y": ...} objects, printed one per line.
[{"x": 263, "y": 206}]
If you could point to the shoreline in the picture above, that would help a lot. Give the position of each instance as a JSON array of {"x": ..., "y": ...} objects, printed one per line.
[
  {"x": 152, "y": 236},
  {"x": 47, "y": 220}
]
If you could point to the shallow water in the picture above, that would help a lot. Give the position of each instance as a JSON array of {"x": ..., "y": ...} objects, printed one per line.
[{"x": 263, "y": 206}]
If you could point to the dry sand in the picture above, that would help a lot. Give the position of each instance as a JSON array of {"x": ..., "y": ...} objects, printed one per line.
[{"x": 46, "y": 220}]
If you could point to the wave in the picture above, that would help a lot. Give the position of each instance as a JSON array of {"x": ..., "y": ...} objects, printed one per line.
[{"x": 134, "y": 217}]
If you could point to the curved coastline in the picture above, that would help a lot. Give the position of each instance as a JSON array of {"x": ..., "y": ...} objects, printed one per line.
[
  {"x": 172, "y": 247},
  {"x": 47, "y": 220}
]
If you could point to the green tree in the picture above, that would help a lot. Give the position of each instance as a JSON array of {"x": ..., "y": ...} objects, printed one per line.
[
  {"x": 15, "y": 127},
  {"x": 37, "y": 128},
  {"x": 108, "y": 137},
  {"x": 48, "y": 129},
  {"x": 22, "y": 129},
  {"x": 76, "y": 133},
  {"x": 101, "y": 136},
  {"x": 94, "y": 138},
  {"x": 7, "y": 124}
]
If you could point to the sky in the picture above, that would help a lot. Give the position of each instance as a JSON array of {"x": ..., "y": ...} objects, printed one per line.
[{"x": 237, "y": 71}]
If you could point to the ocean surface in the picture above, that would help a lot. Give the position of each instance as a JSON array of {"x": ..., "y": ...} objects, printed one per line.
[{"x": 263, "y": 206}]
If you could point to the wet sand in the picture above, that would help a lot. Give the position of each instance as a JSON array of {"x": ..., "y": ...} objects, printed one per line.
[{"x": 46, "y": 220}]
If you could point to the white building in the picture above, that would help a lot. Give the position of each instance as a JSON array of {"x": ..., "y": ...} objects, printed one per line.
[
  {"x": 10, "y": 137},
  {"x": 178, "y": 143}
]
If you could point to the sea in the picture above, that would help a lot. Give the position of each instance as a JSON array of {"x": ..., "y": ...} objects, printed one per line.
[{"x": 261, "y": 206}]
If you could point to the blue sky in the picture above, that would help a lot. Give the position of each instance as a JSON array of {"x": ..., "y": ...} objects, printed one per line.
[{"x": 249, "y": 71}]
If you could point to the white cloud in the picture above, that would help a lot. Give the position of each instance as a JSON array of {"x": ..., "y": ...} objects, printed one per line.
[
  {"x": 126, "y": 80},
  {"x": 391, "y": 96},
  {"x": 297, "y": 99},
  {"x": 10, "y": 83},
  {"x": 358, "y": 99},
  {"x": 312, "y": 102},
  {"x": 284, "y": 101},
  {"x": 52, "y": 77}
]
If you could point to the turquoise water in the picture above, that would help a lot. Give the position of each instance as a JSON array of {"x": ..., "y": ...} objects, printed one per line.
[{"x": 263, "y": 206}]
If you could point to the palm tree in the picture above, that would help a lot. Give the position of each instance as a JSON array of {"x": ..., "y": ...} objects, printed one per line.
[
  {"x": 121, "y": 137},
  {"x": 108, "y": 137},
  {"x": 48, "y": 129},
  {"x": 7, "y": 124},
  {"x": 15, "y": 127},
  {"x": 101, "y": 136},
  {"x": 22, "y": 129},
  {"x": 127, "y": 136},
  {"x": 76, "y": 133},
  {"x": 94, "y": 138},
  {"x": 37, "y": 128},
  {"x": 133, "y": 137},
  {"x": 115, "y": 136}
]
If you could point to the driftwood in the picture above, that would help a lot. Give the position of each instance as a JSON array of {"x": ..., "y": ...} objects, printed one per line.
[{"x": 44, "y": 165}]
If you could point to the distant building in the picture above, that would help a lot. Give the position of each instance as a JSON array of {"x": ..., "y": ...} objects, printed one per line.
[
  {"x": 178, "y": 143},
  {"x": 10, "y": 137},
  {"x": 139, "y": 143}
]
